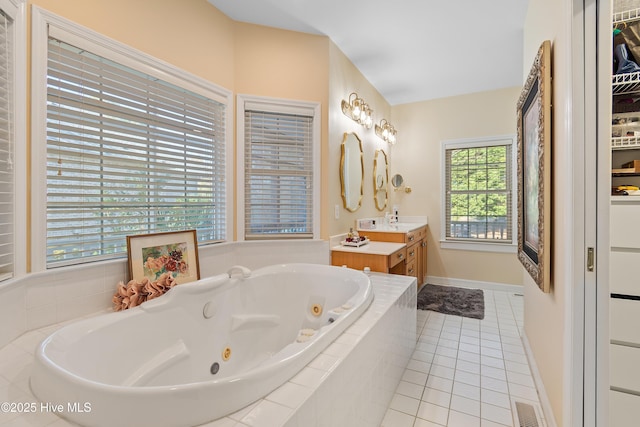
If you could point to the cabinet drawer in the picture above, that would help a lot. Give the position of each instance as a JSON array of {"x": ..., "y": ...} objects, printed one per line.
[
  {"x": 411, "y": 268},
  {"x": 625, "y": 227},
  {"x": 624, "y": 276},
  {"x": 383, "y": 236},
  {"x": 625, "y": 370},
  {"x": 412, "y": 252},
  {"x": 625, "y": 318},
  {"x": 412, "y": 237},
  {"x": 398, "y": 256},
  {"x": 624, "y": 409}
]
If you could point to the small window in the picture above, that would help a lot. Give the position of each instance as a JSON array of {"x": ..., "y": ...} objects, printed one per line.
[
  {"x": 280, "y": 171},
  {"x": 478, "y": 193}
]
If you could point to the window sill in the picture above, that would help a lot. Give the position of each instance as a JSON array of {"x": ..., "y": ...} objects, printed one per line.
[{"x": 479, "y": 246}]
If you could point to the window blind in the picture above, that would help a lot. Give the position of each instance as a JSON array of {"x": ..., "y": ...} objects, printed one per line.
[
  {"x": 479, "y": 192},
  {"x": 127, "y": 153},
  {"x": 6, "y": 148},
  {"x": 278, "y": 175}
]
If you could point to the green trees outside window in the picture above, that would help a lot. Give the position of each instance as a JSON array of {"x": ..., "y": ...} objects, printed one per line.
[{"x": 478, "y": 193}]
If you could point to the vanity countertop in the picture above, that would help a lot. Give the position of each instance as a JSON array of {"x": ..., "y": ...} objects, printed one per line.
[
  {"x": 372, "y": 248},
  {"x": 400, "y": 227}
]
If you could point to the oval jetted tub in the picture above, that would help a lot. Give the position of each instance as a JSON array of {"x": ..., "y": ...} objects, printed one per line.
[{"x": 204, "y": 350}]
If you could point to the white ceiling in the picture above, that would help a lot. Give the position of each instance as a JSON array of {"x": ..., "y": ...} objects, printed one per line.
[{"x": 410, "y": 50}]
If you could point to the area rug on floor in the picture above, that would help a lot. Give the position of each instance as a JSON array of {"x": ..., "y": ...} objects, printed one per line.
[{"x": 452, "y": 300}]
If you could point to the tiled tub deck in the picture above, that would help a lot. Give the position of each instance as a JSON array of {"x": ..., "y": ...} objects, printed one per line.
[{"x": 350, "y": 383}]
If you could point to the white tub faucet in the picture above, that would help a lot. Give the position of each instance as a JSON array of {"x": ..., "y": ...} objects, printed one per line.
[{"x": 239, "y": 270}]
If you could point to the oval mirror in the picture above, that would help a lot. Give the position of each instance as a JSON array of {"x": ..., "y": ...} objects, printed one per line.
[
  {"x": 380, "y": 179},
  {"x": 351, "y": 171},
  {"x": 397, "y": 180}
]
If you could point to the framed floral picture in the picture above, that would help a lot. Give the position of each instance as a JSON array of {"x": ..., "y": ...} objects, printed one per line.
[
  {"x": 173, "y": 253},
  {"x": 534, "y": 170}
]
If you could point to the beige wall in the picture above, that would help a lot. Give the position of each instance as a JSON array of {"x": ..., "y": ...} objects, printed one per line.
[
  {"x": 544, "y": 322},
  {"x": 345, "y": 78},
  {"x": 417, "y": 156},
  {"x": 190, "y": 34}
]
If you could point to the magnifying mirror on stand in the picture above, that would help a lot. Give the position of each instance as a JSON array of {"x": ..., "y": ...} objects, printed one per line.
[{"x": 398, "y": 183}]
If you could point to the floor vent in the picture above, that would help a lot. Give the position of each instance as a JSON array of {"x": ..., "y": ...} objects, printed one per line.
[{"x": 527, "y": 415}]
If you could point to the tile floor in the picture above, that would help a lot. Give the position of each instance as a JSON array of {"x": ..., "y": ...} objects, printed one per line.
[{"x": 466, "y": 372}]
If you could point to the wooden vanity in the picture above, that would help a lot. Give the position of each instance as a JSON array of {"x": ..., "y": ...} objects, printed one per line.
[
  {"x": 394, "y": 250},
  {"x": 384, "y": 257}
]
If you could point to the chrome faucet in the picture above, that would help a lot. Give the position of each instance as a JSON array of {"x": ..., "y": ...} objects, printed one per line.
[{"x": 244, "y": 272}]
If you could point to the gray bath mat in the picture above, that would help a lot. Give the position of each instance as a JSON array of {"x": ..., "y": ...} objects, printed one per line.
[{"x": 451, "y": 300}]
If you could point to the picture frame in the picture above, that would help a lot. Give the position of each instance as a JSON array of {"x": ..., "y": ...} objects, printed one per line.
[
  {"x": 175, "y": 253},
  {"x": 534, "y": 170}
]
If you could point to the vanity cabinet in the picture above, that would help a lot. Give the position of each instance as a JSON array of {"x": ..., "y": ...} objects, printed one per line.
[
  {"x": 383, "y": 257},
  {"x": 416, "y": 241}
]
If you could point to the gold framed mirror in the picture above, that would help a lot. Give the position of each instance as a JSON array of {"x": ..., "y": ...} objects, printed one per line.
[
  {"x": 351, "y": 171},
  {"x": 380, "y": 179}
]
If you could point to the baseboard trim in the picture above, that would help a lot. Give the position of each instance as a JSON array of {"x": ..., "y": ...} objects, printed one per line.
[
  {"x": 475, "y": 284},
  {"x": 549, "y": 419}
]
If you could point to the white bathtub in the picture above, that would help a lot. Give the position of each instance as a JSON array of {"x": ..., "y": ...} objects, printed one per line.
[{"x": 153, "y": 365}]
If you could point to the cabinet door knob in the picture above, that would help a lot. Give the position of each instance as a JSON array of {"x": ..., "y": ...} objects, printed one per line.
[
  {"x": 424, "y": 244},
  {"x": 412, "y": 253},
  {"x": 400, "y": 256},
  {"x": 411, "y": 238}
]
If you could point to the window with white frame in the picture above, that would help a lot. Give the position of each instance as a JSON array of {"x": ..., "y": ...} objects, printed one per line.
[
  {"x": 478, "y": 194},
  {"x": 280, "y": 168},
  {"x": 8, "y": 159},
  {"x": 128, "y": 150}
]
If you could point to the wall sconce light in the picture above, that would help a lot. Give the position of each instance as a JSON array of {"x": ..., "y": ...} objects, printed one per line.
[
  {"x": 358, "y": 110},
  {"x": 386, "y": 131}
]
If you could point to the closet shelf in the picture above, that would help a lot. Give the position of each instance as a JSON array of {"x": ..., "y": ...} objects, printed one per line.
[
  {"x": 625, "y": 83},
  {"x": 625, "y": 199},
  {"x": 625, "y": 143},
  {"x": 626, "y": 16},
  {"x": 622, "y": 172}
]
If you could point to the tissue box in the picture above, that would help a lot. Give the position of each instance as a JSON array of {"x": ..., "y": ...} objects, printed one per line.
[{"x": 366, "y": 224}]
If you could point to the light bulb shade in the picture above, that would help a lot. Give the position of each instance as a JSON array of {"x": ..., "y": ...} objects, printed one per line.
[
  {"x": 358, "y": 110},
  {"x": 386, "y": 131}
]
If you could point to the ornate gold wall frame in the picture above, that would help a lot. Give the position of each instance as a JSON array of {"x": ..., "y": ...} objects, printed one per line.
[
  {"x": 534, "y": 170},
  {"x": 351, "y": 171},
  {"x": 380, "y": 180}
]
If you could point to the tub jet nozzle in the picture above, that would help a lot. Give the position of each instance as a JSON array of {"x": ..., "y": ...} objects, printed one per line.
[{"x": 215, "y": 368}]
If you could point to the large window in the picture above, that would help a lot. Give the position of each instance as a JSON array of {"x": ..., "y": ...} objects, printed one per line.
[
  {"x": 478, "y": 191},
  {"x": 11, "y": 167},
  {"x": 127, "y": 152},
  {"x": 280, "y": 169}
]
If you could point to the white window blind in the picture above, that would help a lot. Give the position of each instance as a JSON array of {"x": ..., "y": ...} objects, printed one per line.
[
  {"x": 478, "y": 193},
  {"x": 127, "y": 153},
  {"x": 278, "y": 175},
  {"x": 6, "y": 148}
]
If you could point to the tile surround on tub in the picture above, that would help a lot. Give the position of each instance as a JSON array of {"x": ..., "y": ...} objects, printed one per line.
[
  {"x": 350, "y": 383},
  {"x": 59, "y": 294}
]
